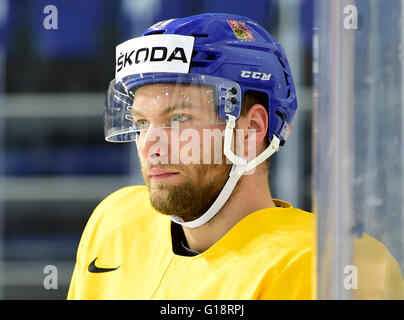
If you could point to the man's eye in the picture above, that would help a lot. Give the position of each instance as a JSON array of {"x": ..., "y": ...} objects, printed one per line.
[
  {"x": 142, "y": 124},
  {"x": 181, "y": 117}
]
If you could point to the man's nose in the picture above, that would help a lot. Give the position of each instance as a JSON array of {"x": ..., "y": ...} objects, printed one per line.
[{"x": 154, "y": 144}]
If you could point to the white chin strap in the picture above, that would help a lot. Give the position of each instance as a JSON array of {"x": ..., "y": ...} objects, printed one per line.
[{"x": 240, "y": 166}]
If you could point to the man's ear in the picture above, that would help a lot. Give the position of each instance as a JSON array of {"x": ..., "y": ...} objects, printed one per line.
[{"x": 255, "y": 126}]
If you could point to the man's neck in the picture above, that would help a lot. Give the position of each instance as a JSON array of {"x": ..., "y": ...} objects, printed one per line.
[{"x": 251, "y": 194}]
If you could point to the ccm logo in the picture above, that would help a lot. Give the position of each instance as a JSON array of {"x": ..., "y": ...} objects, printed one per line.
[
  {"x": 255, "y": 75},
  {"x": 153, "y": 55}
]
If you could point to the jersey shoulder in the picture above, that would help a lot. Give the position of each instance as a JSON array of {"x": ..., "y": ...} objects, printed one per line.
[
  {"x": 274, "y": 233},
  {"x": 281, "y": 244},
  {"x": 296, "y": 226},
  {"x": 124, "y": 207}
]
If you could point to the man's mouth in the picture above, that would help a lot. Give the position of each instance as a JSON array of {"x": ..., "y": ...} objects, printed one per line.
[{"x": 161, "y": 174}]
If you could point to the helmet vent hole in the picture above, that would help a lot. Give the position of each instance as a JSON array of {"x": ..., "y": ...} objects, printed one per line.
[
  {"x": 282, "y": 64},
  {"x": 198, "y": 64},
  {"x": 286, "y": 79},
  {"x": 197, "y": 35},
  {"x": 155, "y": 32},
  {"x": 281, "y": 115}
]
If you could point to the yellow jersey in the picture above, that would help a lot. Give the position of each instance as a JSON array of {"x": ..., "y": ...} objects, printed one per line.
[{"x": 127, "y": 252}]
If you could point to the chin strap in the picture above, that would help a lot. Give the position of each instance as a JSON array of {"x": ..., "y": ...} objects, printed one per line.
[
  {"x": 240, "y": 166},
  {"x": 224, "y": 195}
]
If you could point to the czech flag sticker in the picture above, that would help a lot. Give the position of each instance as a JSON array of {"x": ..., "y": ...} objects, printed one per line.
[{"x": 241, "y": 30}]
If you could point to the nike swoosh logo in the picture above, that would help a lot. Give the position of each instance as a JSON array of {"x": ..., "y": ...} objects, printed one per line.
[{"x": 94, "y": 269}]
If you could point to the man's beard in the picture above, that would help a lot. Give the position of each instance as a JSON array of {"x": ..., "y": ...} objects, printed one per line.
[{"x": 192, "y": 198}]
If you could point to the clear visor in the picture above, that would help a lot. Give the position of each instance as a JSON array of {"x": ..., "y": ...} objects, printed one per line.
[{"x": 140, "y": 103}]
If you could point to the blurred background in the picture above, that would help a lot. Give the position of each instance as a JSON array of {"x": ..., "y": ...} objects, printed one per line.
[{"x": 55, "y": 166}]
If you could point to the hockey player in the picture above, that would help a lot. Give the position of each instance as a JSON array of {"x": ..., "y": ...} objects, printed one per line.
[{"x": 207, "y": 99}]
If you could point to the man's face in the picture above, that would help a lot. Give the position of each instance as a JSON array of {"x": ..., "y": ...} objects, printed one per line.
[{"x": 180, "y": 147}]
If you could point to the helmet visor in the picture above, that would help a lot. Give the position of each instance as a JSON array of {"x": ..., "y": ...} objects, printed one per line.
[{"x": 143, "y": 102}]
